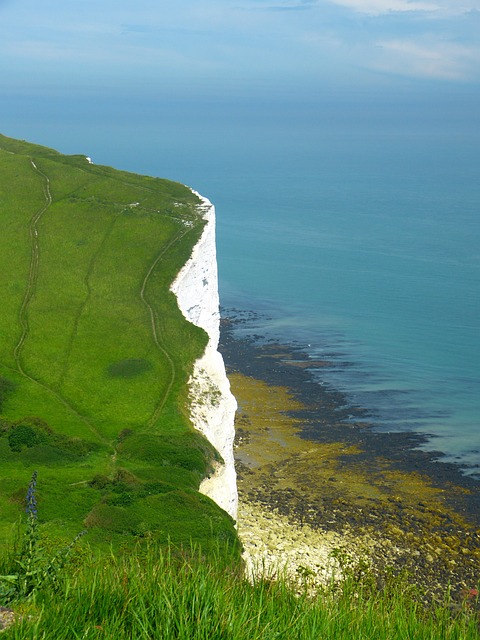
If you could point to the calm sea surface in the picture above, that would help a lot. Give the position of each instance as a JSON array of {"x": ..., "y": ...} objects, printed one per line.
[{"x": 356, "y": 234}]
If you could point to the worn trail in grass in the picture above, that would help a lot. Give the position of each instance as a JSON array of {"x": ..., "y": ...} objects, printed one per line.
[
  {"x": 95, "y": 354},
  {"x": 31, "y": 286},
  {"x": 34, "y": 263}
]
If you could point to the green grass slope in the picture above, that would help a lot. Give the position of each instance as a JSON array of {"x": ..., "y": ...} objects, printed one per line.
[{"x": 95, "y": 354}]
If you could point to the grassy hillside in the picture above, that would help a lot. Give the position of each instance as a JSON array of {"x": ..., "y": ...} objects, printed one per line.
[
  {"x": 94, "y": 359},
  {"x": 95, "y": 354}
]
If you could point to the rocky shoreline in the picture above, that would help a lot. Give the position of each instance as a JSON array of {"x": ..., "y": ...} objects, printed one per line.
[{"x": 310, "y": 483}]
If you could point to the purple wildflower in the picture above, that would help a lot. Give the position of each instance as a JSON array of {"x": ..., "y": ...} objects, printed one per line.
[{"x": 31, "y": 499}]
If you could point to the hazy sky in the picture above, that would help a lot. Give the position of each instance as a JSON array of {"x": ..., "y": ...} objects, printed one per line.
[{"x": 57, "y": 44}]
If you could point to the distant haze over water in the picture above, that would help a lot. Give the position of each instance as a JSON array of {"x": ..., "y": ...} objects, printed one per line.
[{"x": 354, "y": 226}]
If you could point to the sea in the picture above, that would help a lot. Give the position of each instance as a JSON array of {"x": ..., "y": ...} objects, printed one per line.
[{"x": 349, "y": 224}]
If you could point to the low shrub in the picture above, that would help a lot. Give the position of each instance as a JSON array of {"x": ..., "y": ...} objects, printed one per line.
[
  {"x": 24, "y": 436},
  {"x": 190, "y": 451},
  {"x": 39, "y": 444}
]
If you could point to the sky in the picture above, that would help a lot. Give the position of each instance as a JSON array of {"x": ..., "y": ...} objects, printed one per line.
[{"x": 237, "y": 45}]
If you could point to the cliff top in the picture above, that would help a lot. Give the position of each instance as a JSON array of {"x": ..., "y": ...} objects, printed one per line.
[{"x": 95, "y": 354}]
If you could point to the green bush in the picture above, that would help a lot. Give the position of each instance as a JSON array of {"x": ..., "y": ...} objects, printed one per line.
[
  {"x": 39, "y": 444},
  {"x": 23, "y": 435}
]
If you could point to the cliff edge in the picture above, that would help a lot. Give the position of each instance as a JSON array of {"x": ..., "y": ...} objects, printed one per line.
[{"x": 212, "y": 404}]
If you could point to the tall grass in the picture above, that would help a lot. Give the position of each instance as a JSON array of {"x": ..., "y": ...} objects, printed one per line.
[{"x": 164, "y": 594}]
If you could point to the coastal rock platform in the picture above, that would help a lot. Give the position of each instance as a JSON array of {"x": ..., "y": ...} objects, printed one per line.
[{"x": 315, "y": 489}]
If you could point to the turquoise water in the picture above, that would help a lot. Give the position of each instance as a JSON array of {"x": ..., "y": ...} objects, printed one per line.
[
  {"x": 369, "y": 249},
  {"x": 356, "y": 233}
]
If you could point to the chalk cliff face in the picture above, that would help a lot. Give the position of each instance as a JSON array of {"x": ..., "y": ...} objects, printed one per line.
[{"x": 212, "y": 403}]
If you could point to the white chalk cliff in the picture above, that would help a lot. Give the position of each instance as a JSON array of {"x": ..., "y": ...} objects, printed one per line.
[{"x": 212, "y": 405}]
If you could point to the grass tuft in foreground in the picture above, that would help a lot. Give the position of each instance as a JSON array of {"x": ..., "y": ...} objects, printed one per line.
[{"x": 158, "y": 593}]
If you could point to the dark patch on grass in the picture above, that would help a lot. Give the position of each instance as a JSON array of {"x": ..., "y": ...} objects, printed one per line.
[
  {"x": 129, "y": 368},
  {"x": 6, "y": 388}
]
